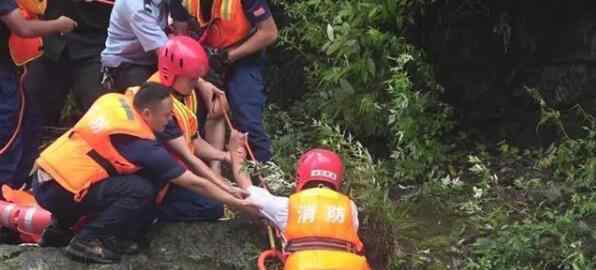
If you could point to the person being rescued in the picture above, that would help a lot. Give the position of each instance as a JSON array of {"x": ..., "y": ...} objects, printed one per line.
[
  {"x": 181, "y": 64},
  {"x": 318, "y": 223},
  {"x": 106, "y": 168}
]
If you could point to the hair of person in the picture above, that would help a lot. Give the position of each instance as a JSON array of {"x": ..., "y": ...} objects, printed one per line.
[
  {"x": 318, "y": 184},
  {"x": 150, "y": 94}
]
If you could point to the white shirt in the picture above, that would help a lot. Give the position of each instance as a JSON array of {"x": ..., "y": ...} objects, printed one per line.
[
  {"x": 135, "y": 29},
  {"x": 275, "y": 208}
]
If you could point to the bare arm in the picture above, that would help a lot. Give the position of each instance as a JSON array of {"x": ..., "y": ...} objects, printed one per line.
[
  {"x": 214, "y": 98},
  {"x": 238, "y": 153},
  {"x": 207, "y": 151},
  {"x": 35, "y": 28},
  {"x": 265, "y": 35},
  {"x": 205, "y": 188},
  {"x": 241, "y": 177},
  {"x": 196, "y": 165}
]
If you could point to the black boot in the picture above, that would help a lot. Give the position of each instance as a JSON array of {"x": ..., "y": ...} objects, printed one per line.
[
  {"x": 122, "y": 246},
  {"x": 56, "y": 235},
  {"x": 9, "y": 236},
  {"x": 91, "y": 251}
]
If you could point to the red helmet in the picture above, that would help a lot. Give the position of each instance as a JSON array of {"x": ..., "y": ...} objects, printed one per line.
[
  {"x": 319, "y": 165},
  {"x": 181, "y": 56}
]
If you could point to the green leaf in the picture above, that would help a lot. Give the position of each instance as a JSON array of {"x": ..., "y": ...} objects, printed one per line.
[
  {"x": 346, "y": 87},
  {"x": 330, "y": 33},
  {"x": 372, "y": 69},
  {"x": 334, "y": 47}
]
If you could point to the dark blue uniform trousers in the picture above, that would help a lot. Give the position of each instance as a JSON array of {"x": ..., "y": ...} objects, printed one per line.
[
  {"x": 116, "y": 204},
  {"x": 17, "y": 160},
  {"x": 181, "y": 204},
  {"x": 246, "y": 94}
]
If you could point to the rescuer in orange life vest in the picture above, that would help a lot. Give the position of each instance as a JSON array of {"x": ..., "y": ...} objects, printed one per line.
[
  {"x": 16, "y": 142},
  {"x": 319, "y": 224},
  {"x": 107, "y": 167},
  {"x": 19, "y": 43},
  {"x": 237, "y": 32},
  {"x": 181, "y": 64}
]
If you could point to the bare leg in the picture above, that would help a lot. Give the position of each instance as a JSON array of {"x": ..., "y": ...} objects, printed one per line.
[{"x": 215, "y": 134}]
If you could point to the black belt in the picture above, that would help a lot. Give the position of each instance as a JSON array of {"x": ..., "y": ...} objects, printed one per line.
[{"x": 317, "y": 243}]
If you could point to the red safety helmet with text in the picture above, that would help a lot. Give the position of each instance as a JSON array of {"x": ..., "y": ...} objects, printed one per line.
[
  {"x": 181, "y": 56},
  {"x": 319, "y": 165}
]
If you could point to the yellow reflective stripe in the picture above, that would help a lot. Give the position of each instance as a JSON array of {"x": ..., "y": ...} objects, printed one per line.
[
  {"x": 191, "y": 103},
  {"x": 186, "y": 118},
  {"x": 226, "y": 9},
  {"x": 187, "y": 4},
  {"x": 182, "y": 121}
]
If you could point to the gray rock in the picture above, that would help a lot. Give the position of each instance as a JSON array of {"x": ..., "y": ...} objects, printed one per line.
[{"x": 218, "y": 245}]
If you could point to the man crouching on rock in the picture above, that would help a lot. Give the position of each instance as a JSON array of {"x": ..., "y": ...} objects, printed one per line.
[{"x": 95, "y": 169}]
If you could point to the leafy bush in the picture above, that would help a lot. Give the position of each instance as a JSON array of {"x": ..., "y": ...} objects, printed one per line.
[
  {"x": 556, "y": 230},
  {"x": 363, "y": 76}
]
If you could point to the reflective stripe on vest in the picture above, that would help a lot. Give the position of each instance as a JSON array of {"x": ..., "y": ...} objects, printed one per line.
[
  {"x": 319, "y": 215},
  {"x": 186, "y": 119},
  {"x": 228, "y": 23},
  {"x": 70, "y": 159},
  {"x": 29, "y": 219}
]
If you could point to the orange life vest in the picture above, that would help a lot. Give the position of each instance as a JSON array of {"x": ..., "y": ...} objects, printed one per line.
[
  {"x": 85, "y": 155},
  {"x": 185, "y": 116},
  {"x": 320, "y": 217},
  {"x": 24, "y": 50},
  {"x": 228, "y": 23},
  {"x": 325, "y": 260}
]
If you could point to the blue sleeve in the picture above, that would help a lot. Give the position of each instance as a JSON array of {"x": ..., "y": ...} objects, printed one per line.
[
  {"x": 7, "y": 6},
  {"x": 146, "y": 28},
  {"x": 172, "y": 131},
  {"x": 178, "y": 12},
  {"x": 257, "y": 10},
  {"x": 150, "y": 155}
]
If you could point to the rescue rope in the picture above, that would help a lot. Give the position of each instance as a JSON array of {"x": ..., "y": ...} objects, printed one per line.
[
  {"x": 21, "y": 90},
  {"x": 107, "y": 2},
  {"x": 270, "y": 231},
  {"x": 270, "y": 253}
]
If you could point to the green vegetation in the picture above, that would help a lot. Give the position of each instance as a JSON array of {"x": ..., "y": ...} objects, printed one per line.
[{"x": 431, "y": 198}]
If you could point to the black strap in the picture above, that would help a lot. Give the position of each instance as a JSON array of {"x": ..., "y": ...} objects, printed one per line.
[
  {"x": 313, "y": 243},
  {"x": 104, "y": 163}
]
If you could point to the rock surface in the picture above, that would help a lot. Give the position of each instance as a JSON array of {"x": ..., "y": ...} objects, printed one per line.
[{"x": 225, "y": 245}]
